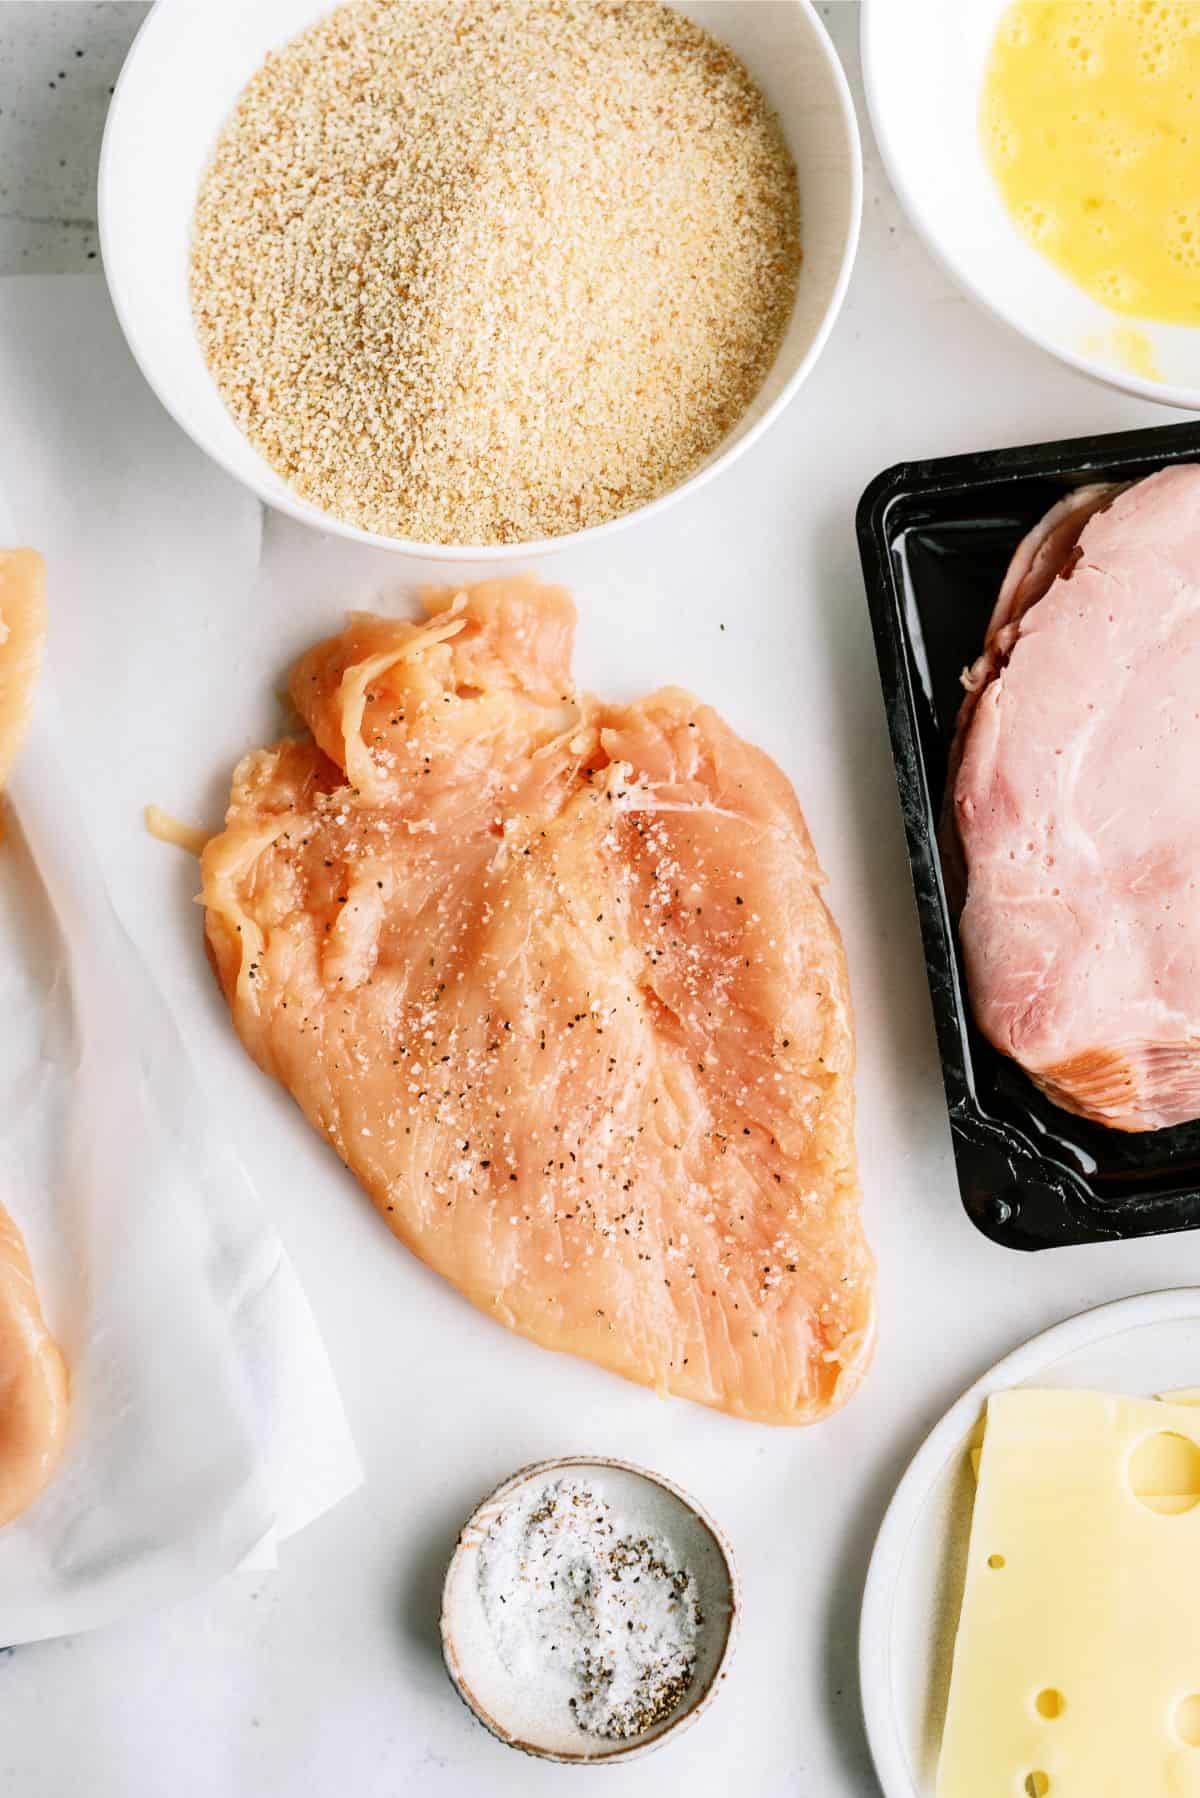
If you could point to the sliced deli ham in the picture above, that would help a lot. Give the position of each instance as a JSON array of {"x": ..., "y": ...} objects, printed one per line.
[{"x": 1076, "y": 812}]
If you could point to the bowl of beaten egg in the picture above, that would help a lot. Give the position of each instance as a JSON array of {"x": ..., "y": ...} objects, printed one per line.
[
  {"x": 1049, "y": 153},
  {"x": 449, "y": 392}
]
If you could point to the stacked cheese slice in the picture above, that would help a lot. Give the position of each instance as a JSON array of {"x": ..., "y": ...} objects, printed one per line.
[{"x": 1077, "y": 1665}]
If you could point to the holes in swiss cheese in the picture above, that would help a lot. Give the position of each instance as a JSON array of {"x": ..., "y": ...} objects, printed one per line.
[
  {"x": 1164, "y": 1473},
  {"x": 1187, "y": 1720},
  {"x": 996, "y": 1562},
  {"x": 1050, "y": 1703},
  {"x": 1037, "y": 1784}
]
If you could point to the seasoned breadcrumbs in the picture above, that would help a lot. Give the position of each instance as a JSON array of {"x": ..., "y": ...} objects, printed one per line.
[{"x": 483, "y": 271}]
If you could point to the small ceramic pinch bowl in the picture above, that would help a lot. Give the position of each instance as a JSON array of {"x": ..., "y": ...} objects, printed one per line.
[
  {"x": 510, "y": 1708},
  {"x": 180, "y": 81}
]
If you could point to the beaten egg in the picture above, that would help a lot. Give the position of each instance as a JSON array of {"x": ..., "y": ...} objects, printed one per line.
[{"x": 1090, "y": 125}]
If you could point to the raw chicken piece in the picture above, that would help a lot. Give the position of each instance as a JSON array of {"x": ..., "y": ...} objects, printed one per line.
[
  {"x": 557, "y": 982},
  {"x": 33, "y": 1378},
  {"x": 1075, "y": 809},
  {"x": 33, "y": 1383},
  {"x": 22, "y": 635}
]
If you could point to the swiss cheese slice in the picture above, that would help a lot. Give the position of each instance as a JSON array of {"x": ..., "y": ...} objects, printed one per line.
[{"x": 1076, "y": 1668}]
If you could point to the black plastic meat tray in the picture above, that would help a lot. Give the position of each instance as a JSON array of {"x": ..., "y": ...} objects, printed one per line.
[{"x": 935, "y": 539}]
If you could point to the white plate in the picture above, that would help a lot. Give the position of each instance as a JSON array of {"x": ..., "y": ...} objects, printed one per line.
[
  {"x": 923, "y": 67},
  {"x": 910, "y": 1607},
  {"x": 187, "y": 66}
]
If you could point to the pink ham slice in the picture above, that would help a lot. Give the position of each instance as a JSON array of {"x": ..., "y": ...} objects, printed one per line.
[
  {"x": 1040, "y": 557},
  {"x": 1075, "y": 810}
]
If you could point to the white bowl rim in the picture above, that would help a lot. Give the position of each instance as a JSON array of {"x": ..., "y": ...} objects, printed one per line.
[
  {"x": 636, "y": 1748},
  {"x": 293, "y": 507},
  {"x": 1166, "y": 393}
]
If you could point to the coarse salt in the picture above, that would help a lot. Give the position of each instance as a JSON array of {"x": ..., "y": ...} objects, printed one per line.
[{"x": 593, "y": 1612}]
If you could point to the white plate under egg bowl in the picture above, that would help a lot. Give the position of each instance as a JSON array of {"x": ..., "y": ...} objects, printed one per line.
[
  {"x": 180, "y": 81},
  {"x": 923, "y": 68}
]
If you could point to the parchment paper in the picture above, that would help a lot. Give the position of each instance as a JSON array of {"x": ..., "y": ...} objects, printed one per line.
[{"x": 205, "y": 1421}]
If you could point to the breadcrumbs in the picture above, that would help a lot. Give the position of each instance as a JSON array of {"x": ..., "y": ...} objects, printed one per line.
[{"x": 485, "y": 271}]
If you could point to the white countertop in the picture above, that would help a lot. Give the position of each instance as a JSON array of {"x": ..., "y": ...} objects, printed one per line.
[{"x": 324, "y": 1677}]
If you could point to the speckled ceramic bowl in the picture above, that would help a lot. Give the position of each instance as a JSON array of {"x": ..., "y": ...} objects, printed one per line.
[{"x": 505, "y": 1705}]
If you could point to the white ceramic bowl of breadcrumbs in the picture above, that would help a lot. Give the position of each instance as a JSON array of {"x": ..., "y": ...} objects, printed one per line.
[{"x": 476, "y": 279}]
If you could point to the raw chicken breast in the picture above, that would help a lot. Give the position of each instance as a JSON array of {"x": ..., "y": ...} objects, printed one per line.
[
  {"x": 33, "y": 1383},
  {"x": 1075, "y": 808},
  {"x": 33, "y": 1379},
  {"x": 557, "y": 982},
  {"x": 22, "y": 635}
]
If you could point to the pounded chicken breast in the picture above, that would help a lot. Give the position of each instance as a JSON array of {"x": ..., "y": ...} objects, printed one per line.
[{"x": 556, "y": 980}]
